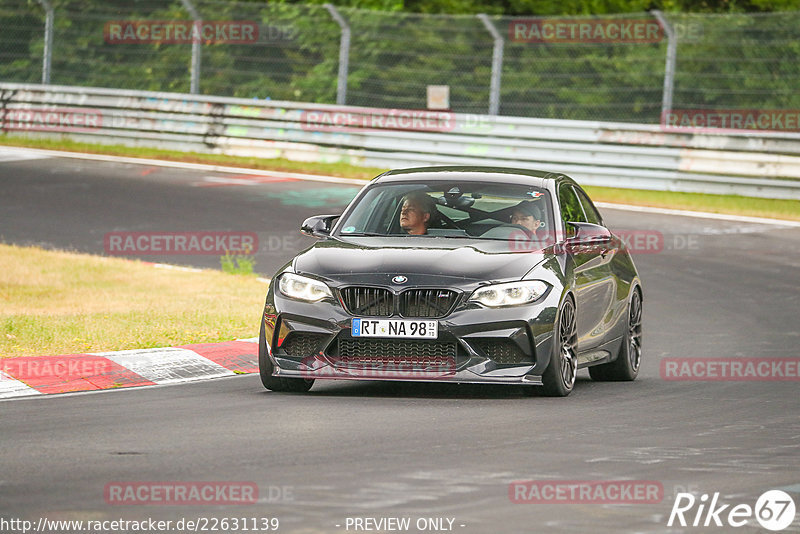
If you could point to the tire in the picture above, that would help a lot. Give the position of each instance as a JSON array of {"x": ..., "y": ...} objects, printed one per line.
[
  {"x": 559, "y": 377},
  {"x": 266, "y": 368},
  {"x": 626, "y": 367}
]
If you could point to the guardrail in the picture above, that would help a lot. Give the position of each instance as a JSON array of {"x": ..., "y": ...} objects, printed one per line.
[{"x": 760, "y": 164}]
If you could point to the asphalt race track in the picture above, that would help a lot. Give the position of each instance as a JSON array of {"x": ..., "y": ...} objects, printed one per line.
[{"x": 420, "y": 451}]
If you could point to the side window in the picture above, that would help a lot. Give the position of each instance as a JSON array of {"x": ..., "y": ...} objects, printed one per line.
[
  {"x": 592, "y": 215},
  {"x": 570, "y": 205}
]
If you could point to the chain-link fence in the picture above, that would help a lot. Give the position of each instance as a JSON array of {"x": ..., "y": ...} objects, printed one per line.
[{"x": 615, "y": 68}]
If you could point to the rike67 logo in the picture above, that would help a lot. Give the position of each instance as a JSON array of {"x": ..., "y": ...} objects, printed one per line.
[{"x": 774, "y": 510}]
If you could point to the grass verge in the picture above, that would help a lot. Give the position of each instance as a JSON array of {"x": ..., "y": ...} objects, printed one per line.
[
  {"x": 65, "y": 303},
  {"x": 728, "y": 204}
]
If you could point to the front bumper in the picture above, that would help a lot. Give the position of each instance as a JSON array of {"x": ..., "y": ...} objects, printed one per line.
[{"x": 475, "y": 345}]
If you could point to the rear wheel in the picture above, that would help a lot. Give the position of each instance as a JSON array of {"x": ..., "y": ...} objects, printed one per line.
[
  {"x": 626, "y": 366},
  {"x": 266, "y": 368},
  {"x": 559, "y": 377}
]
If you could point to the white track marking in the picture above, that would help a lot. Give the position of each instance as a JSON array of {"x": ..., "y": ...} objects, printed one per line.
[
  {"x": 229, "y": 181},
  {"x": 101, "y": 391},
  {"x": 167, "y": 366},
  {"x": 195, "y": 166},
  {"x": 18, "y": 154},
  {"x": 11, "y": 387}
]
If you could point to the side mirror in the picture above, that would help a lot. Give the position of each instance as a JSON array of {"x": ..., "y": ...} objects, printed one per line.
[
  {"x": 581, "y": 233},
  {"x": 319, "y": 225}
]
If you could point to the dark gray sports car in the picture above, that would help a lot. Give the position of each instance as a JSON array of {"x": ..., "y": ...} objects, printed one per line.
[{"x": 456, "y": 274}]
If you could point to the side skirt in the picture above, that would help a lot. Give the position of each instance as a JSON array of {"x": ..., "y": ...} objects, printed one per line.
[{"x": 605, "y": 353}]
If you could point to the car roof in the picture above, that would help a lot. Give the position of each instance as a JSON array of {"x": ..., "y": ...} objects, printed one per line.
[{"x": 471, "y": 174}]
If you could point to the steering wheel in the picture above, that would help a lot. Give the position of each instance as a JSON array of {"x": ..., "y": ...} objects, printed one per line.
[
  {"x": 445, "y": 221},
  {"x": 504, "y": 231}
]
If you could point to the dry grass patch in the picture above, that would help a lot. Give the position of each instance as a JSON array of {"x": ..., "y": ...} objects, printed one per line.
[{"x": 63, "y": 302}]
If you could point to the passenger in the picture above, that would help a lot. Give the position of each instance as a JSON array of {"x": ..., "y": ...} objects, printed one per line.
[
  {"x": 417, "y": 213},
  {"x": 528, "y": 215}
]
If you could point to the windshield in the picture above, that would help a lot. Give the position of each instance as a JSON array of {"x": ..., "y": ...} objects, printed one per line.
[{"x": 452, "y": 209}]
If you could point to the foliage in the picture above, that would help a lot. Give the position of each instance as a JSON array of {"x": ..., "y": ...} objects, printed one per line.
[
  {"x": 733, "y": 60},
  {"x": 237, "y": 263}
]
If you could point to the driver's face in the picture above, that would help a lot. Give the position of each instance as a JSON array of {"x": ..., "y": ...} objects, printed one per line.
[
  {"x": 412, "y": 219},
  {"x": 523, "y": 219}
]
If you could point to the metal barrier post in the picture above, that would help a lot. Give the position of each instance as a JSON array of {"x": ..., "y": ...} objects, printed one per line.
[
  {"x": 497, "y": 64},
  {"x": 48, "y": 40},
  {"x": 669, "y": 68},
  {"x": 194, "y": 84},
  {"x": 344, "y": 54}
]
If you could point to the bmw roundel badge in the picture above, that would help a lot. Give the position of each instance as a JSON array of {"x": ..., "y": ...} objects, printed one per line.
[{"x": 400, "y": 279}]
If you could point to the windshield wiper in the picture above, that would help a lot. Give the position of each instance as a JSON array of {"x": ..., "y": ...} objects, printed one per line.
[{"x": 363, "y": 234}]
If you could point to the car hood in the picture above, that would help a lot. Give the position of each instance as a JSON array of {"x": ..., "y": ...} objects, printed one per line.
[{"x": 423, "y": 260}]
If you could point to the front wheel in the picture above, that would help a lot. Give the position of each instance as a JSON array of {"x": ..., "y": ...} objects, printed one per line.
[
  {"x": 559, "y": 377},
  {"x": 626, "y": 367},
  {"x": 266, "y": 368}
]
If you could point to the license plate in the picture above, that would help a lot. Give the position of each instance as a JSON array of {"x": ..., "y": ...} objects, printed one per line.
[{"x": 394, "y": 328}]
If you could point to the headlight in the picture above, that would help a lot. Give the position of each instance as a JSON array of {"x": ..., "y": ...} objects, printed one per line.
[
  {"x": 509, "y": 294},
  {"x": 299, "y": 287}
]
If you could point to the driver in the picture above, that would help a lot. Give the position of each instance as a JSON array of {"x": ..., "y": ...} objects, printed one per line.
[
  {"x": 417, "y": 213},
  {"x": 528, "y": 215}
]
